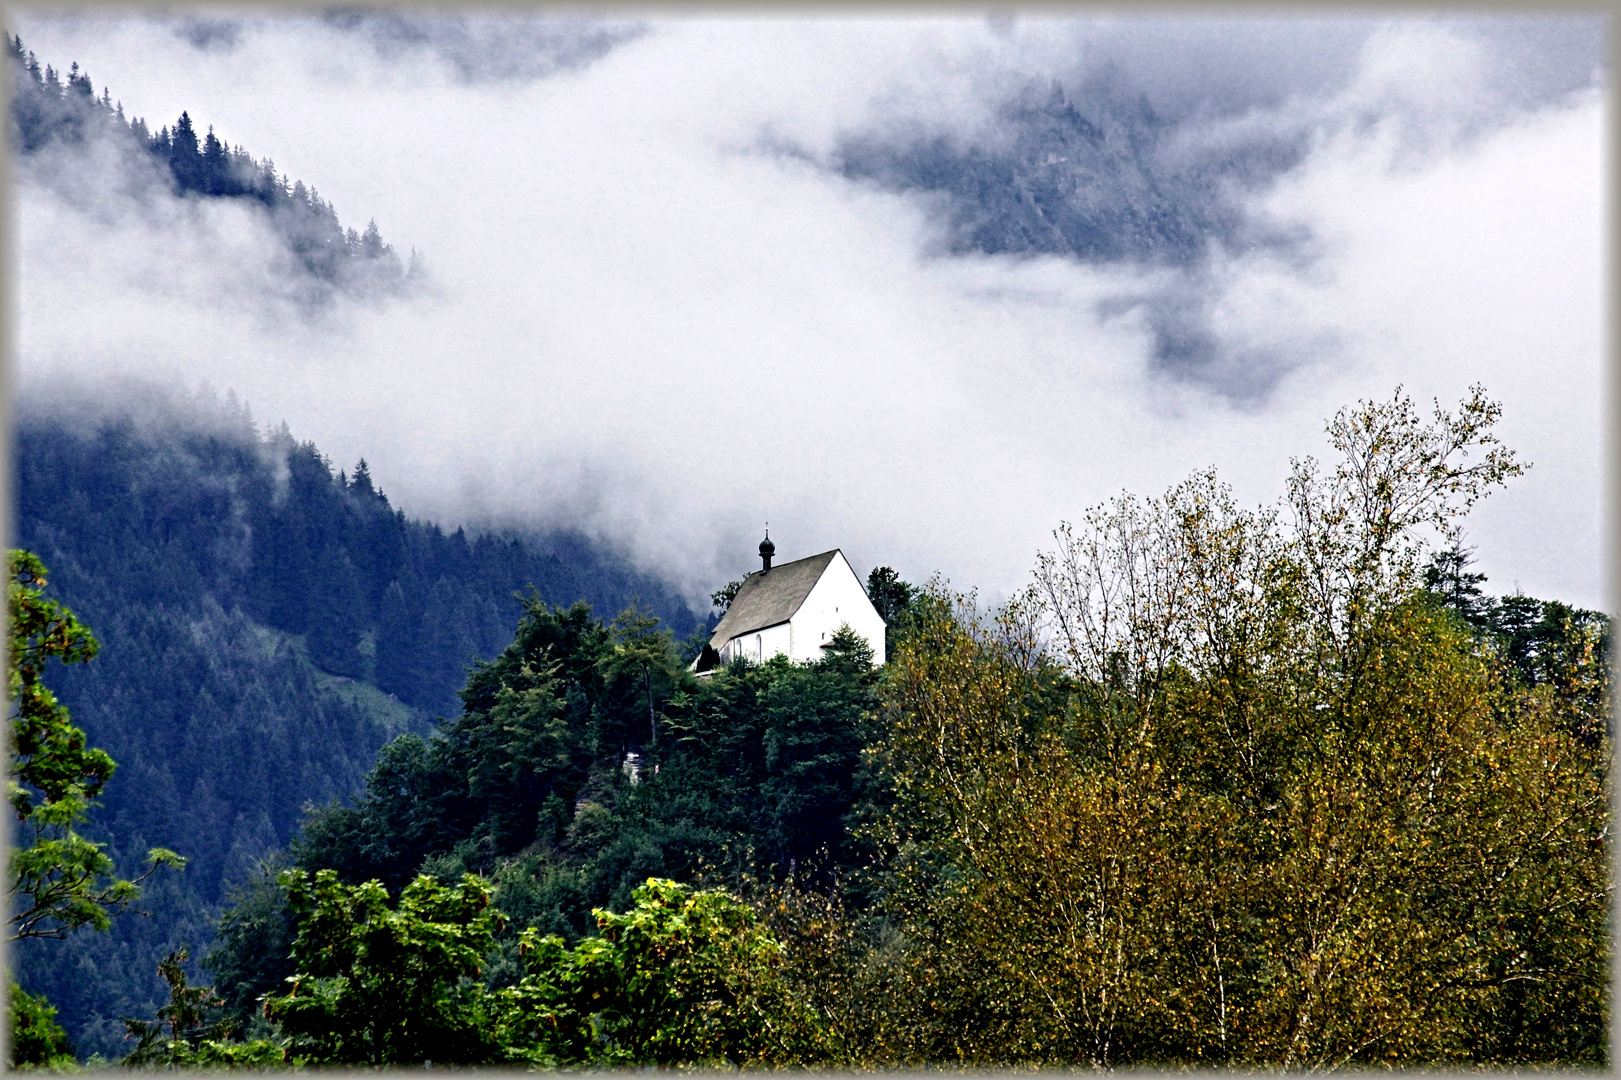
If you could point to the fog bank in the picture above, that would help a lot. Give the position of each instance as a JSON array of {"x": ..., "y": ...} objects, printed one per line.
[{"x": 663, "y": 311}]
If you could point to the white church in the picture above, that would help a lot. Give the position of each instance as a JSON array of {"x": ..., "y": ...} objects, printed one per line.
[{"x": 793, "y": 610}]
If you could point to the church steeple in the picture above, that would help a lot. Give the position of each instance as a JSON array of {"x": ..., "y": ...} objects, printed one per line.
[{"x": 767, "y": 549}]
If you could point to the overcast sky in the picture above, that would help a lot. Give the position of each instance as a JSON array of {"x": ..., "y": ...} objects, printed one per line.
[{"x": 687, "y": 275}]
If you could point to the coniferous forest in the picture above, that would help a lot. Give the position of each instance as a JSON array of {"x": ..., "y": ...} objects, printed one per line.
[
  {"x": 1284, "y": 786},
  {"x": 299, "y": 622},
  {"x": 300, "y": 781}
]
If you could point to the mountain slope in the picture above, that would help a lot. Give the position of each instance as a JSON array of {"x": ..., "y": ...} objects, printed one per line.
[
  {"x": 56, "y": 123},
  {"x": 267, "y": 624}
]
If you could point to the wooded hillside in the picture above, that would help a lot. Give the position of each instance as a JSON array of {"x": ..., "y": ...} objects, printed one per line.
[
  {"x": 1280, "y": 786},
  {"x": 298, "y": 622}
]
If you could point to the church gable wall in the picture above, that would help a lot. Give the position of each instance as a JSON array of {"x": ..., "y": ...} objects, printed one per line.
[{"x": 837, "y": 598}]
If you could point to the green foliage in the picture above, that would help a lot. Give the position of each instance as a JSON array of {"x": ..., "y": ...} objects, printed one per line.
[
  {"x": 756, "y": 767},
  {"x": 684, "y": 977},
  {"x": 193, "y": 1039},
  {"x": 891, "y": 598},
  {"x": 888, "y": 593},
  {"x": 1448, "y": 579},
  {"x": 58, "y": 879},
  {"x": 284, "y": 607},
  {"x": 1544, "y": 648},
  {"x": 640, "y": 650},
  {"x": 379, "y": 985},
  {"x": 51, "y": 762},
  {"x": 721, "y": 599},
  {"x": 37, "y": 1040},
  {"x": 530, "y": 721},
  {"x": 764, "y": 758},
  {"x": 1259, "y": 804},
  {"x": 253, "y": 952}
]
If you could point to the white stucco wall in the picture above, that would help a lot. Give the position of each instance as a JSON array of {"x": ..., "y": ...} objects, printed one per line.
[
  {"x": 836, "y": 599},
  {"x": 760, "y": 645}
]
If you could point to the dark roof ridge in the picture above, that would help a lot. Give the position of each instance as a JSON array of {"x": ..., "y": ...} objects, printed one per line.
[{"x": 768, "y": 598}]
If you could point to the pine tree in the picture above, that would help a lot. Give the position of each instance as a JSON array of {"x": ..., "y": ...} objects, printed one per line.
[{"x": 185, "y": 160}]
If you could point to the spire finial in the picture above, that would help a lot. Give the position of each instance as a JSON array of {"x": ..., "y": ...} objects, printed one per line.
[{"x": 767, "y": 549}]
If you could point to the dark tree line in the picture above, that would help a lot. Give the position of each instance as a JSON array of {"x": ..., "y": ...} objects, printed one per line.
[
  {"x": 48, "y": 110},
  {"x": 266, "y": 524},
  {"x": 1542, "y": 643},
  {"x": 258, "y": 609},
  {"x": 1297, "y": 801},
  {"x": 556, "y": 783}
]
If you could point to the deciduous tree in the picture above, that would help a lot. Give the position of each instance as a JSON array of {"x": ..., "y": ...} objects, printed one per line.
[{"x": 1242, "y": 794}]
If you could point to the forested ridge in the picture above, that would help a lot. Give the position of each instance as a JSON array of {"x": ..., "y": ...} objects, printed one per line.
[
  {"x": 296, "y": 621},
  {"x": 300, "y": 781},
  {"x": 52, "y": 112},
  {"x": 1225, "y": 786}
]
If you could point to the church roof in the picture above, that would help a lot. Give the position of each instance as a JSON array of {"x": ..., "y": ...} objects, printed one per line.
[{"x": 771, "y": 597}]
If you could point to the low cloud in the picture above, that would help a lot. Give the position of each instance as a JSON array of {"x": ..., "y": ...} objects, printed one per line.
[
  {"x": 491, "y": 47},
  {"x": 488, "y": 48},
  {"x": 651, "y": 323},
  {"x": 1154, "y": 143}
]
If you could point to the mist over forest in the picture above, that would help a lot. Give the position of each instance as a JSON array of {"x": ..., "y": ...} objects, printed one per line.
[
  {"x": 934, "y": 293},
  {"x": 301, "y": 622},
  {"x": 690, "y": 277},
  {"x": 58, "y": 122}
]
